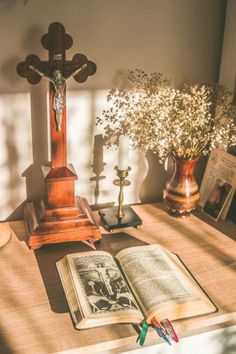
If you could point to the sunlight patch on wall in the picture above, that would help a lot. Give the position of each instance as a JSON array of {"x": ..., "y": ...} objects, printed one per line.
[
  {"x": 15, "y": 147},
  {"x": 79, "y": 138},
  {"x": 82, "y": 109},
  {"x": 93, "y": 162},
  {"x": 137, "y": 161}
]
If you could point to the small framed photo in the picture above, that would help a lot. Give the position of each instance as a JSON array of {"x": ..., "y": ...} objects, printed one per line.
[{"x": 217, "y": 198}]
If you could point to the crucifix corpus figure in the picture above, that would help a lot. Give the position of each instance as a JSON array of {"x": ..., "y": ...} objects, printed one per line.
[{"x": 58, "y": 82}]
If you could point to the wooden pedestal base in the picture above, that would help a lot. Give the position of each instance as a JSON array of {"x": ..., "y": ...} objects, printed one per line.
[{"x": 57, "y": 225}]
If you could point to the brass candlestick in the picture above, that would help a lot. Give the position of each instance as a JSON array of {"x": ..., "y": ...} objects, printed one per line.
[
  {"x": 120, "y": 216},
  {"x": 121, "y": 182}
]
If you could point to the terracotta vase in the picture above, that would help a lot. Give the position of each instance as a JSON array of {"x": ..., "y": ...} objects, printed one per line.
[{"x": 181, "y": 192}]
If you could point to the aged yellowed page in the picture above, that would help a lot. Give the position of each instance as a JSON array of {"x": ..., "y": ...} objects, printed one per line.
[{"x": 161, "y": 284}]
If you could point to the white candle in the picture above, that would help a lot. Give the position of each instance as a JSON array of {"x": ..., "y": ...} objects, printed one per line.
[{"x": 123, "y": 153}]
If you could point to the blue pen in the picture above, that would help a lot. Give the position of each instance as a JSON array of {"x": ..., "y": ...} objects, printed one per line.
[
  {"x": 159, "y": 330},
  {"x": 162, "y": 335}
]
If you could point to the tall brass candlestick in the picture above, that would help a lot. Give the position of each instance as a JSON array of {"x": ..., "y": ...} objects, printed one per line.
[
  {"x": 120, "y": 216},
  {"x": 121, "y": 182}
]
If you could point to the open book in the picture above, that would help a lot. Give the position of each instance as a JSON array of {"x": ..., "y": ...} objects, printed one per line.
[{"x": 141, "y": 282}]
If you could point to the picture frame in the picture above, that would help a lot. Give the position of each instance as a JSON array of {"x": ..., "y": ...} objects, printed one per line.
[
  {"x": 217, "y": 198},
  {"x": 220, "y": 164}
]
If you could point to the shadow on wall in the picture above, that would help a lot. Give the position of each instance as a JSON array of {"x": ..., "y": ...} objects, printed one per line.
[
  {"x": 8, "y": 72},
  {"x": 159, "y": 174},
  {"x": 5, "y": 347},
  {"x": 39, "y": 131},
  {"x": 82, "y": 108},
  {"x": 12, "y": 165},
  {"x": 18, "y": 134},
  {"x": 98, "y": 169},
  {"x": 226, "y": 341},
  {"x": 9, "y": 76},
  {"x": 12, "y": 161},
  {"x": 155, "y": 180},
  {"x": 97, "y": 165},
  {"x": 93, "y": 163},
  {"x": 8, "y": 4},
  {"x": 34, "y": 178},
  {"x": 15, "y": 149}
]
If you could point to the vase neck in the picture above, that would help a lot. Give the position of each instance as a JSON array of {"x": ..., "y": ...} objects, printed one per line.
[{"x": 185, "y": 167}]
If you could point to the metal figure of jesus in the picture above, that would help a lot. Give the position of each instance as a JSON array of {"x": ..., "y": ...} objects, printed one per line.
[{"x": 58, "y": 82}]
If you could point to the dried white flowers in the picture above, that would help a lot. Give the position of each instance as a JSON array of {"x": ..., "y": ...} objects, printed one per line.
[{"x": 186, "y": 123}]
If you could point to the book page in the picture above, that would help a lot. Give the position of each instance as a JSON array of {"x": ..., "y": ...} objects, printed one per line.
[
  {"x": 159, "y": 281},
  {"x": 101, "y": 290},
  {"x": 220, "y": 164}
]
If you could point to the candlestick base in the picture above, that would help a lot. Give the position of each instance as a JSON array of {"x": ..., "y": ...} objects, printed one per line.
[{"x": 110, "y": 221}]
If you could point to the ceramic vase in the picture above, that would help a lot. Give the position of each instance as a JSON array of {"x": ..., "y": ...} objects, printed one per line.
[{"x": 181, "y": 192}]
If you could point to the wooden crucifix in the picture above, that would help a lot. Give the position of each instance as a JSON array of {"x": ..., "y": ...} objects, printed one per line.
[{"x": 59, "y": 216}]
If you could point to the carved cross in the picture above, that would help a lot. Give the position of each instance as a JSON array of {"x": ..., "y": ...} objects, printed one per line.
[{"x": 57, "y": 70}]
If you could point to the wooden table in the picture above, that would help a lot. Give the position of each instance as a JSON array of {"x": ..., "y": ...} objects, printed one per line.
[{"x": 34, "y": 317}]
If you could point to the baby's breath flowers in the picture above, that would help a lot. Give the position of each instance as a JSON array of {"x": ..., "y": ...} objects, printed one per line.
[{"x": 186, "y": 123}]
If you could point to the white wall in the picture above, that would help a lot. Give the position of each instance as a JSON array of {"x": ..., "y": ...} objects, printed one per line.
[
  {"x": 228, "y": 63},
  {"x": 180, "y": 38}
]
